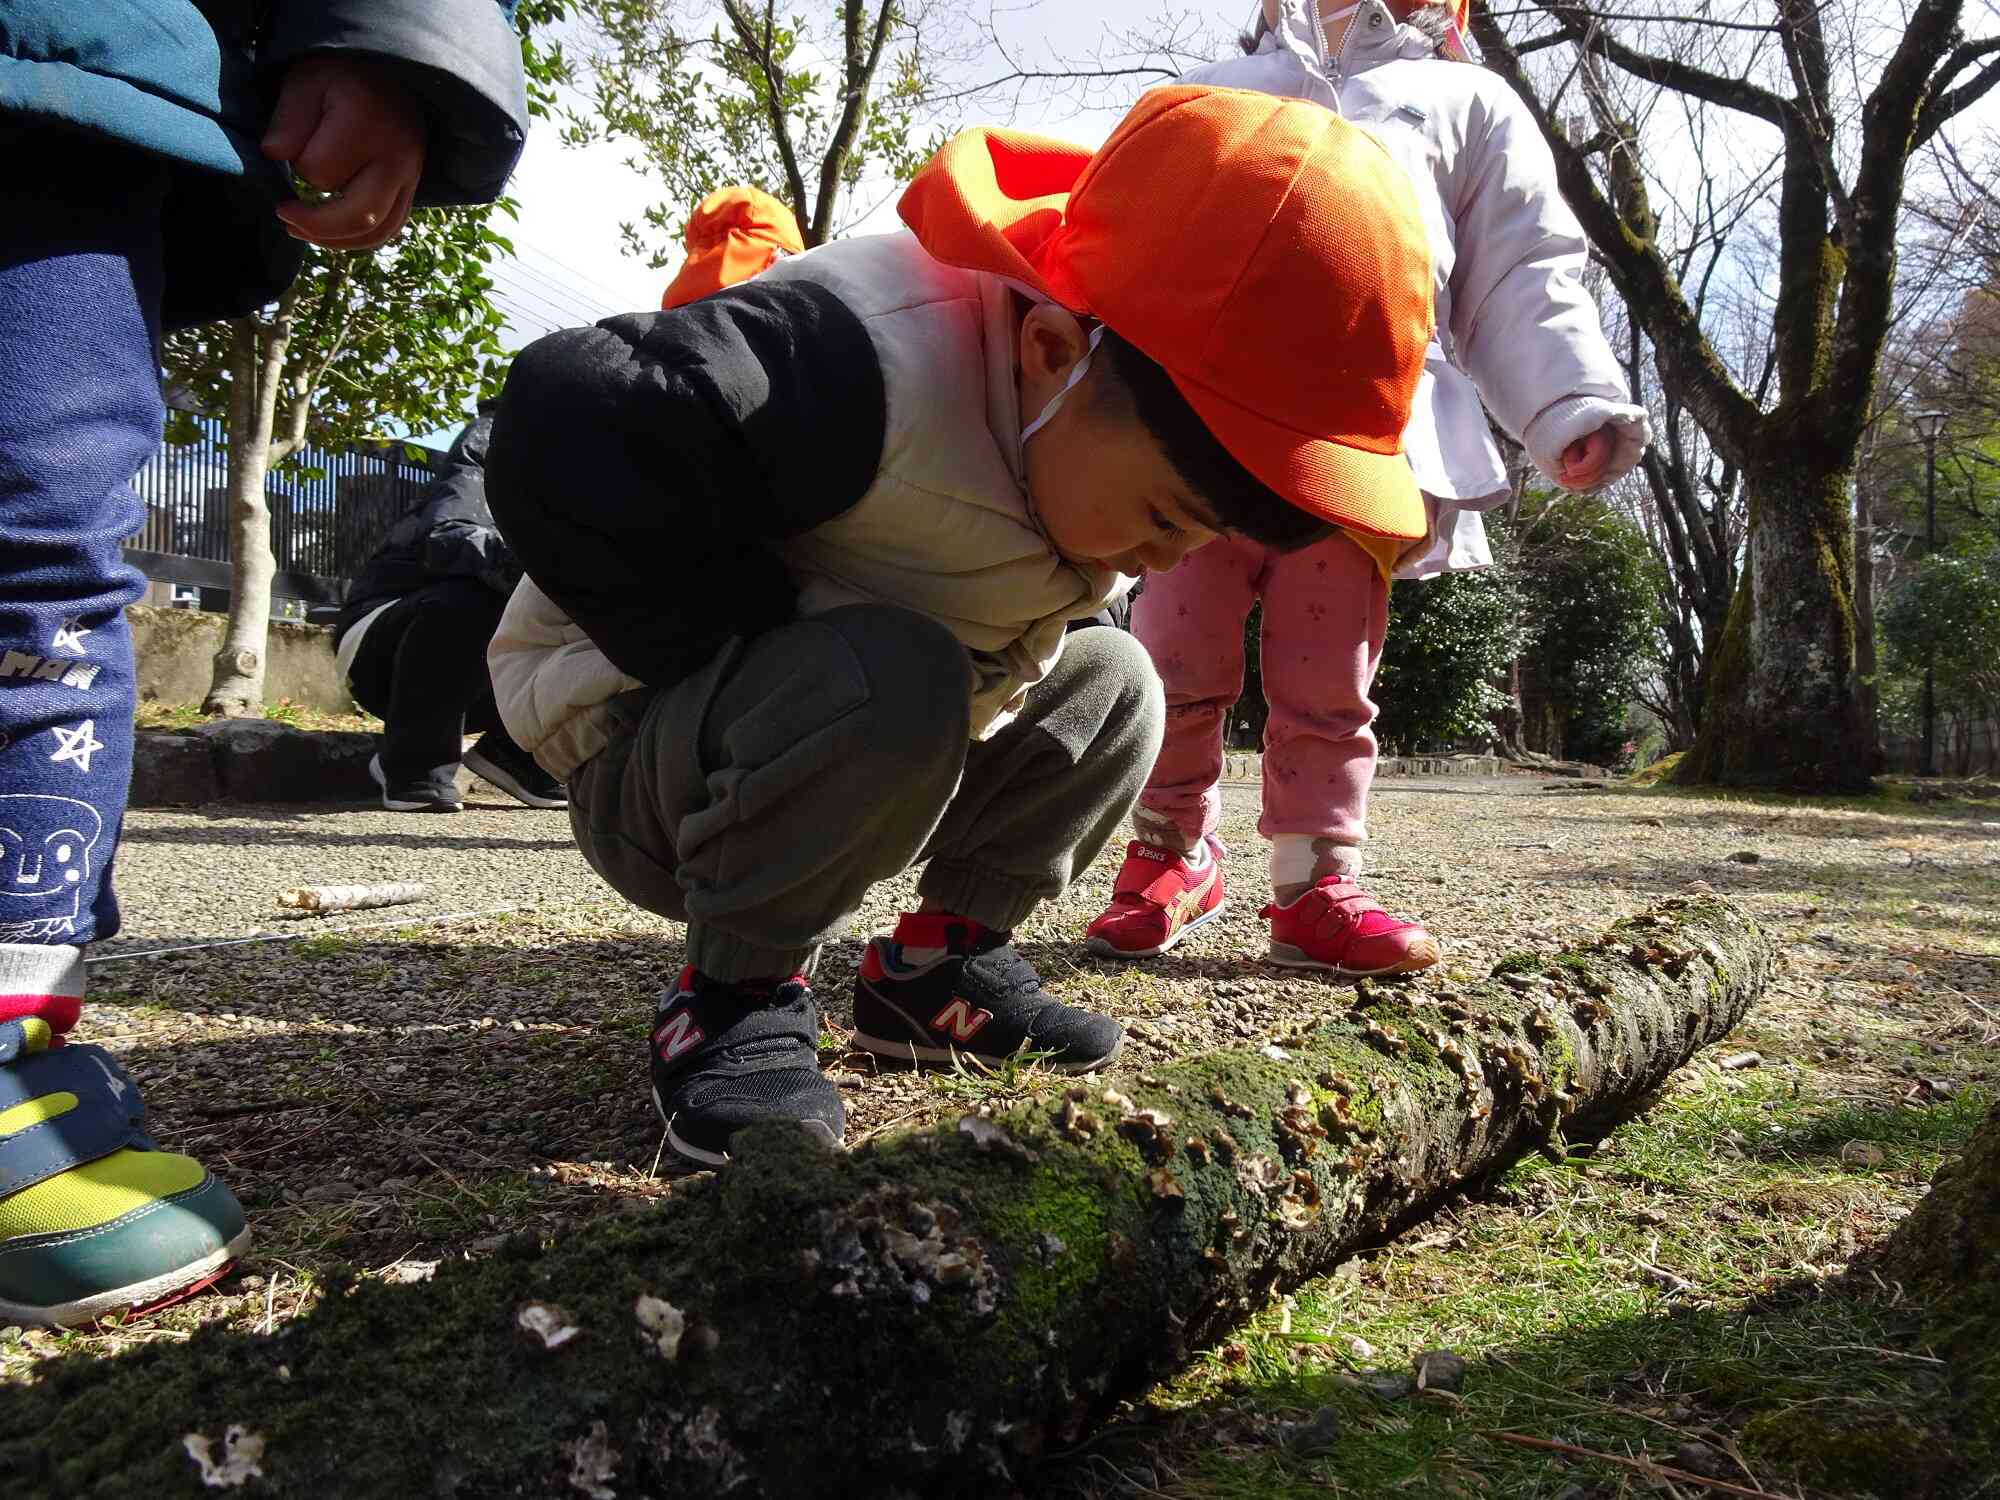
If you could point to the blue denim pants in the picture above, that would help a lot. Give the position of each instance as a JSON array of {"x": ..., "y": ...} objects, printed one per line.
[{"x": 80, "y": 413}]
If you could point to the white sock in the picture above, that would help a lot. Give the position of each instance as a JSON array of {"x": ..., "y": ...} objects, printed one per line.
[
  {"x": 1296, "y": 860},
  {"x": 1197, "y": 858}
]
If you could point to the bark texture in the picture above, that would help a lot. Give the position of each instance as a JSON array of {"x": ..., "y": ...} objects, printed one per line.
[
  {"x": 927, "y": 1314},
  {"x": 1783, "y": 707}
]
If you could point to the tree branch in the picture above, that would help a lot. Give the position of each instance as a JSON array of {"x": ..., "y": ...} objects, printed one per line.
[
  {"x": 1588, "y": 32},
  {"x": 1943, "y": 107},
  {"x": 1889, "y": 124},
  {"x": 1804, "y": 43},
  {"x": 758, "y": 42},
  {"x": 858, "y": 72},
  {"x": 1625, "y": 236}
]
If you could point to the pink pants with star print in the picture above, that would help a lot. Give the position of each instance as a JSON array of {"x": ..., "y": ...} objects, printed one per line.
[{"x": 1326, "y": 609}]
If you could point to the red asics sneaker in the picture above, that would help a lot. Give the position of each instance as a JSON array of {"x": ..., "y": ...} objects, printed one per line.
[
  {"x": 1157, "y": 901},
  {"x": 1338, "y": 926}
]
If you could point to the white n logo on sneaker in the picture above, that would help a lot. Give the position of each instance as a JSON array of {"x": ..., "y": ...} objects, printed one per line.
[
  {"x": 961, "y": 1020},
  {"x": 677, "y": 1034}
]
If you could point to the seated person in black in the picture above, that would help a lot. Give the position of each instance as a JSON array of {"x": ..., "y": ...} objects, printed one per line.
[{"x": 412, "y": 643}]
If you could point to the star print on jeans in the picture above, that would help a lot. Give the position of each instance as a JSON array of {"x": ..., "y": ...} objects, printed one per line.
[
  {"x": 77, "y": 744},
  {"x": 69, "y": 635}
]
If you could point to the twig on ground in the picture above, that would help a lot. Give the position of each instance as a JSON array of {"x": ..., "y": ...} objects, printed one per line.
[
  {"x": 1923, "y": 1359},
  {"x": 1637, "y": 1465},
  {"x": 292, "y": 937},
  {"x": 255, "y": 1107},
  {"x": 320, "y": 899},
  {"x": 1662, "y": 1275}
]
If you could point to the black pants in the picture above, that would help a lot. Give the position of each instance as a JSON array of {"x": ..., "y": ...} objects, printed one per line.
[{"x": 422, "y": 668}]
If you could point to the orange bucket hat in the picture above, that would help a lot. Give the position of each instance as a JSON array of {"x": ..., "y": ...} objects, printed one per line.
[
  {"x": 736, "y": 233},
  {"x": 1267, "y": 253}
]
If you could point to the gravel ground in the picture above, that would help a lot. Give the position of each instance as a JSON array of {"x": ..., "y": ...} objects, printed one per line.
[{"x": 384, "y": 1090}]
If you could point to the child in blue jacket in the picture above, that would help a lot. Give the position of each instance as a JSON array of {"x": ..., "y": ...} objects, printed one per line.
[{"x": 150, "y": 146}]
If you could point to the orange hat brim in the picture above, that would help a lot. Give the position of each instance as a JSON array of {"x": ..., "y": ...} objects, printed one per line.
[
  {"x": 1353, "y": 487},
  {"x": 722, "y": 265}
]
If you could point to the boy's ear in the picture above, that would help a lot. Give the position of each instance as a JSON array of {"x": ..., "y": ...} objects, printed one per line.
[{"x": 1052, "y": 339}]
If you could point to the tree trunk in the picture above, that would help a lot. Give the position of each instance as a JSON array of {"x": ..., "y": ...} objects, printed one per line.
[
  {"x": 1781, "y": 709},
  {"x": 257, "y": 356},
  {"x": 1867, "y": 693},
  {"x": 925, "y": 1314}
]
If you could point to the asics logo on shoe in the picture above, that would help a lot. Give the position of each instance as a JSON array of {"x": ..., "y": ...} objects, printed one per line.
[
  {"x": 961, "y": 1020},
  {"x": 1187, "y": 905},
  {"x": 676, "y": 1035},
  {"x": 116, "y": 1084},
  {"x": 1158, "y": 856}
]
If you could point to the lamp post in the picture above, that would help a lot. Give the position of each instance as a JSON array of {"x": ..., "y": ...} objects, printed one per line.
[{"x": 1928, "y": 425}]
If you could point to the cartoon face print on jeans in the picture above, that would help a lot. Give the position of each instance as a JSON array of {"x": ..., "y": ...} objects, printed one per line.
[{"x": 45, "y": 851}]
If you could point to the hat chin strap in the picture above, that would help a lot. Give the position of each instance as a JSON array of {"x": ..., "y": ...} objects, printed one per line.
[{"x": 1076, "y": 373}]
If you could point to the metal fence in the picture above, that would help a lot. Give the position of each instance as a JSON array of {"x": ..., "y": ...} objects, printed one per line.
[{"x": 329, "y": 509}]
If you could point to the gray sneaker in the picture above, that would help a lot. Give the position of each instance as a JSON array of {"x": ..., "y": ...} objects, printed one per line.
[{"x": 415, "y": 796}]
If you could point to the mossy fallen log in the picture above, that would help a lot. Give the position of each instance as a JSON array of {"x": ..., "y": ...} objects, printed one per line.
[
  {"x": 925, "y": 1315},
  {"x": 1945, "y": 1257}
]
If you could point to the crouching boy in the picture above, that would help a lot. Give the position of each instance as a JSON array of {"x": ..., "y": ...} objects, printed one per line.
[{"x": 800, "y": 557}]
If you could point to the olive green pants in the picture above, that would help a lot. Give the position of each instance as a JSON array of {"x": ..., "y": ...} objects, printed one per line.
[{"x": 760, "y": 798}]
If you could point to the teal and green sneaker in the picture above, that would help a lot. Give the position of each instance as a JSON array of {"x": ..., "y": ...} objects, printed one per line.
[{"x": 94, "y": 1218}]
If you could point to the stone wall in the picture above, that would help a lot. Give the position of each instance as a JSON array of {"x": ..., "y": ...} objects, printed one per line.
[{"x": 176, "y": 648}]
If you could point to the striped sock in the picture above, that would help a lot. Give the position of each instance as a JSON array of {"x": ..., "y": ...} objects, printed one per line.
[{"x": 44, "y": 980}]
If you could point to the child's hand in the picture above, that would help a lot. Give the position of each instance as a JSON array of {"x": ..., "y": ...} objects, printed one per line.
[
  {"x": 1585, "y": 460},
  {"x": 347, "y": 127}
]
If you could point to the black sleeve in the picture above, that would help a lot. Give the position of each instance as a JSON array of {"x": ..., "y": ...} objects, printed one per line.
[
  {"x": 642, "y": 469},
  {"x": 460, "y": 549},
  {"x": 463, "y": 64}
]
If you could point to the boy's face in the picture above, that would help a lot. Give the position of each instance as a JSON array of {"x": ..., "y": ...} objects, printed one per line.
[{"x": 1105, "y": 494}]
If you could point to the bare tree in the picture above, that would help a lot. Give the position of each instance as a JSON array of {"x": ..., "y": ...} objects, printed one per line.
[
  {"x": 1781, "y": 705},
  {"x": 829, "y": 105}
]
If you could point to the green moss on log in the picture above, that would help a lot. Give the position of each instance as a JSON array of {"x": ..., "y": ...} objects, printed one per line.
[
  {"x": 929, "y": 1311},
  {"x": 1850, "y": 1453},
  {"x": 1947, "y": 1256}
]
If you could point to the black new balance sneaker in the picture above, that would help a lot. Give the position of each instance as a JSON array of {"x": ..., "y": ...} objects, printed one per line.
[
  {"x": 497, "y": 759},
  {"x": 942, "y": 987},
  {"x": 725, "y": 1056}
]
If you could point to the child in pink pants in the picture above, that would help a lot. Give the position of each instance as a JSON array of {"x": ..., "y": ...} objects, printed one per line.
[{"x": 1516, "y": 328}]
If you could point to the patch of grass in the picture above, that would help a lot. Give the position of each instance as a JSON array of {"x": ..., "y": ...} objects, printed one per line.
[
  {"x": 451, "y": 1210},
  {"x": 1664, "y": 1290},
  {"x": 1019, "y": 1076},
  {"x": 171, "y": 716}
]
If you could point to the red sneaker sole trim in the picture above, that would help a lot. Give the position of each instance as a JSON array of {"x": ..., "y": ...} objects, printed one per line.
[
  {"x": 1104, "y": 948},
  {"x": 1287, "y": 957},
  {"x": 137, "y": 1300}
]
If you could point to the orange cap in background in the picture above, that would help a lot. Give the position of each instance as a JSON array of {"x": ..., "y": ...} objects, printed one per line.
[
  {"x": 1267, "y": 253},
  {"x": 734, "y": 234}
]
